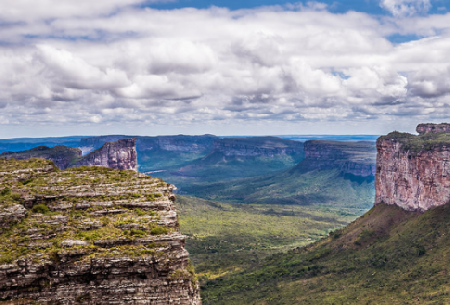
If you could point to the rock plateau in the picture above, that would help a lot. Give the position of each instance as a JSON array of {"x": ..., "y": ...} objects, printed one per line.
[
  {"x": 413, "y": 172},
  {"x": 90, "y": 235},
  {"x": 354, "y": 158}
]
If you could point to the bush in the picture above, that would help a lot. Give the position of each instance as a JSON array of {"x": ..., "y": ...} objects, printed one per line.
[
  {"x": 5, "y": 192},
  {"x": 158, "y": 231},
  {"x": 41, "y": 208}
]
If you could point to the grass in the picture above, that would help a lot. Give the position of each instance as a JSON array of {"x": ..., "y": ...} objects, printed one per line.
[
  {"x": 227, "y": 238},
  {"x": 387, "y": 256}
]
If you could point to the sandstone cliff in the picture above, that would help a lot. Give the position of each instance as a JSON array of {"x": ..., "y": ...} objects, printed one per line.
[
  {"x": 355, "y": 158},
  {"x": 120, "y": 154},
  {"x": 257, "y": 147},
  {"x": 90, "y": 235},
  {"x": 179, "y": 143},
  {"x": 413, "y": 172},
  {"x": 61, "y": 155},
  {"x": 433, "y": 128}
]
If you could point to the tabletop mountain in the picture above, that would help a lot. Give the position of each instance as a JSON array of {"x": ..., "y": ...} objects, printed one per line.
[
  {"x": 89, "y": 235},
  {"x": 397, "y": 253},
  {"x": 120, "y": 154}
]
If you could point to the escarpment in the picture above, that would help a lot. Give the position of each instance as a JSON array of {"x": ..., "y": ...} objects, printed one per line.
[
  {"x": 61, "y": 155},
  {"x": 257, "y": 147},
  {"x": 120, "y": 154},
  {"x": 354, "y": 158},
  {"x": 90, "y": 235},
  {"x": 413, "y": 172}
]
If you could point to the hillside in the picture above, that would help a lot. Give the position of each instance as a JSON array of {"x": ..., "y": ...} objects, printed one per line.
[
  {"x": 236, "y": 158},
  {"x": 387, "y": 256},
  {"x": 61, "y": 155},
  {"x": 120, "y": 154},
  {"x": 397, "y": 253},
  {"x": 332, "y": 173},
  {"x": 226, "y": 238}
]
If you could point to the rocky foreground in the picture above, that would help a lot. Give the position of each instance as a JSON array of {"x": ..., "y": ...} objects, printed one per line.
[{"x": 89, "y": 235}]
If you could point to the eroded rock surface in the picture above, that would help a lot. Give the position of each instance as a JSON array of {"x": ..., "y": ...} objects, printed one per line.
[
  {"x": 355, "y": 158},
  {"x": 90, "y": 235},
  {"x": 413, "y": 172},
  {"x": 433, "y": 128},
  {"x": 120, "y": 154}
]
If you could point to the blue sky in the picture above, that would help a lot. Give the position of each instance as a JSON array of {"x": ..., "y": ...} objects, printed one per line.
[
  {"x": 226, "y": 67},
  {"x": 368, "y": 6}
]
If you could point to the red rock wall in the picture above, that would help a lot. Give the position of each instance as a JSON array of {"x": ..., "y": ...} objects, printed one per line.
[{"x": 413, "y": 181}]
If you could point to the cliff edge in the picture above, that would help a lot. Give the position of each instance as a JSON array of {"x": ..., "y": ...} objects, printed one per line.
[
  {"x": 354, "y": 158},
  {"x": 120, "y": 154},
  {"x": 90, "y": 235},
  {"x": 412, "y": 171}
]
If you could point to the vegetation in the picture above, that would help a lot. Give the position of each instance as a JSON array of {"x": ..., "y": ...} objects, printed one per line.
[
  {"x": 414, "y": 143},
  {"x": 324, "y": 187},
  {"x": 67, "y": 211},
  {"x": 387, "y": 256},
  {"x": 227, "y": 238}
]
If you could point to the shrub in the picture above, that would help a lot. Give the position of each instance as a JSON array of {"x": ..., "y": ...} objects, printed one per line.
[
  {"x": 41, "y": 208},
  {"x": 5, "y": 192},
  {"x": 158, "y": 230}
]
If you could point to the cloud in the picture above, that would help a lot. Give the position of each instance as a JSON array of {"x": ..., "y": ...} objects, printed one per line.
[
  {"x": 119, "y": 64},
  {"x": 406, "y": 7}
]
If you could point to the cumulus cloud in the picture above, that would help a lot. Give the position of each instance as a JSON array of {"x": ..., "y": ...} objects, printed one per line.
[
  {"x": 105, "y": 66},
  {"x": 406, "y": 7}
]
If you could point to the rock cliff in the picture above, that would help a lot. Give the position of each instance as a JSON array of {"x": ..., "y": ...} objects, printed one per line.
[
  {"x": 355, "y": 158},
  {"x": 90, "y": 235},
  {"x": 120, "y": 154},
  {"x": 61, "y": 155},
  {"x": 413, "y": 172},
  {"x": 179, "y": 143},
  {"x": 433, "y": 128},
  {"x": 257, "y": 147}
]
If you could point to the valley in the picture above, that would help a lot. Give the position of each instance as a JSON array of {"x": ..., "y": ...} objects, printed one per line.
[{"x": 261, "y": 195}]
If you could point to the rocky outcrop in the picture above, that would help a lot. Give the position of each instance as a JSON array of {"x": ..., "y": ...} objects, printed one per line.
[
  {"x": 257, "y": 147},
  {"x": 61, "y": 155},
  {"x": 179, "y": 143},
  {"x": 120, "y": 154},
  {"x": 90, "y": 235},
  {"x": 413, "y": 172},
  {"x": 433, "y": 128},
  {"x": 355, "y": 158}
]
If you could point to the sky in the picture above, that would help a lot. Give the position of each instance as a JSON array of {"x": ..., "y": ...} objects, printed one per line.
[{"x": 256, "y": 67}]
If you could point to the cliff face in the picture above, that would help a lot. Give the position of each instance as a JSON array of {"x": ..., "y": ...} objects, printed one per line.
[
  {"x": 433, "y": 128},
  {"x": 180, "y": 143},
  {"x": 120, "y": 154},
  {"x": 257, "y": 147},
  {"x": 355, "y": 158},
  {"x": 413, "y": 172},
  {"x": 61, "y": 155},
  {"x": 90, "y": 235}
]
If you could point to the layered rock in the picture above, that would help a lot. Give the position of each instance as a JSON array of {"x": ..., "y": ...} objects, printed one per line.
[
  {"x": 413, "y": 172},
  {"x": 61, "y": 155},
  {"x": 179, "y": 143},
  {"x": 355, "y": 158},
  {"x": 257, "y": 147},
  {"x": 433, "y": 128},
  {"x": 120, "y": 154},
  {"x": 90, "y": 235}
]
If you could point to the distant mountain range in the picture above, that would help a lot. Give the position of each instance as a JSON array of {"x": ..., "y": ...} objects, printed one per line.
[{"x": 241, "y": 169}]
